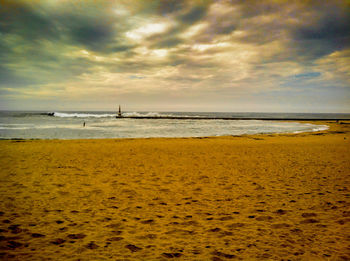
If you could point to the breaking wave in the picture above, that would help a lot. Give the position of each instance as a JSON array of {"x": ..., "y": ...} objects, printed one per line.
[
  {"x": 80, "y": 115},
  {"x": 107, "y": 115},
  {"x": 314, "y": 129},
  {"x": 146, "y": 114}
]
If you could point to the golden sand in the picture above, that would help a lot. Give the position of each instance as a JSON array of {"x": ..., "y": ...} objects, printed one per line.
[{"x": 274, "y": 197}]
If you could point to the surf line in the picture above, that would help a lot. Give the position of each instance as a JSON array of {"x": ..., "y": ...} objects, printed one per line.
[{"x": 120, "y": 116}]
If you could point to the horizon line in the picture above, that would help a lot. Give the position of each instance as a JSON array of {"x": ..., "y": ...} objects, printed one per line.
[{"x": 38, "y": 110}]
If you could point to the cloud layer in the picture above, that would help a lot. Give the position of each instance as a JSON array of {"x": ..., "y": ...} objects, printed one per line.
[{"x": 175, "y": 55}]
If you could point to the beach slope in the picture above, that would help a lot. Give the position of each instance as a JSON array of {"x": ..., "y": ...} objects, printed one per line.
[{"x": 273, "y": 197}]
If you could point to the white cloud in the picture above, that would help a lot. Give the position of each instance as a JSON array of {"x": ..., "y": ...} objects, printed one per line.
[{"x": 147, "y": 30}]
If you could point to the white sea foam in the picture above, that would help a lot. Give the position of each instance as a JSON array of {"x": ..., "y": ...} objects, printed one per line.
[
  {"x": 108, "y": 115},
  {"x": 14, "y": 128},
  {"x": 82, "y": 115},
  {"x": 148, "y": 114},
  {"x": 313, "y": 128},
  {"x": 125, "y": 114},
  {"x": 321, "y": 128}
]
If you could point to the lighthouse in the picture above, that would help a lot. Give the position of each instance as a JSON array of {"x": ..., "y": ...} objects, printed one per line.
[{"x": 119, "y": 113}]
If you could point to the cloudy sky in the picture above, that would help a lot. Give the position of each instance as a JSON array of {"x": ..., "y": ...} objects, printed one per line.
[{"x": 175, "y": 55}]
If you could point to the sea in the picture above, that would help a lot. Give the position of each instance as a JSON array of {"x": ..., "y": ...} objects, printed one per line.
[{"x": 102, "y": 125}]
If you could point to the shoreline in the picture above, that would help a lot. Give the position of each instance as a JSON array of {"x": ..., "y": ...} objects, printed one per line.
[
  {"x": 315, "y": 122},
  {"x": 248, "y": 197}
]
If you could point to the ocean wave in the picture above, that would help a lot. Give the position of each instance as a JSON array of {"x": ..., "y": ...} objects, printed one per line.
[
  {"x": 160, "y": 115},
  {"x": 124, "y": 114},
  {"x": 81, "y": 115},
  {"x": 146, "y": 114},
  {"x": 313, "y": 128},
  {"x": 106, "y": 115},
  {"x": 321, "y": 128}
]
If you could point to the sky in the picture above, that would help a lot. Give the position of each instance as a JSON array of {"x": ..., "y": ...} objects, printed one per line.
[{"x": 175, "y": 55}]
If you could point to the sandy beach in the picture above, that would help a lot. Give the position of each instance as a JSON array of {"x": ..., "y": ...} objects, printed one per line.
[{"x": 273, "y": 197}]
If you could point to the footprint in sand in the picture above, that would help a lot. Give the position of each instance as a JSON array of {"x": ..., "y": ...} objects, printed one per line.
[
  {"x": 309, "y": 221},
  {"x": 281, "y": 212},
  {"x": 92, "y": 245},
  {"x": 221, "y": 254},
  {"x": 58, "y": 241},
  {"x": 133, "y": 248},
  {"x": 114, "y": 239},
  {"x": 76, "y": 236},
  {"x": 236, "y": 225},
  {"x": 280, "y": 225},
  {"x": 346, "y": 213},
  {"x": 149, "y": 221},
  {"x": 115, "y": 225},
  {"x": 171, "y": 255},
  {"x": 308, "y": 215},
  {"x": 343, "y": 221},
  {"x": 215, "y": 229},
  {"x": 264, "y": 218},
  {"x": 15, "y": 229},
  {"x": 227, "y": 233},
  {"x": 37, "y": 235},
  {"x": 14, "y": 244}
]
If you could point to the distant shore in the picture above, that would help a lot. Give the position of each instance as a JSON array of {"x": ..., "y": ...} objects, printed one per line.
[{"x": 248, "y": 197}]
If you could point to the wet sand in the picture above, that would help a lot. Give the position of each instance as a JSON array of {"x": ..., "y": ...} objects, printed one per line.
[{"x": 273, "y": 197}]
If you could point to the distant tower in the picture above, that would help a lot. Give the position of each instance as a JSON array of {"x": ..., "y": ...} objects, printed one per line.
[{"x": 119, "y": 113}]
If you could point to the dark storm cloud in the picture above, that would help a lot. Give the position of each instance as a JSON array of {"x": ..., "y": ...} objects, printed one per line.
[
  {"x": 90, "y": 33},
  {"x": 91, "y": 26},
  {"x": 328, "y": 33},
  {"x": 94, "y": 31},
  {"x": 165, "y": 7},
  {"x": 4, "y": 49},
  {"x": 122, "y": 48},
  {"x": 193, "y": 15},
  {"x": 332, "y": 23},
  {"x": 34, "y": 39},
  {"x": 334, "y": 29},
  {"x": 22, "y": 20}
]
